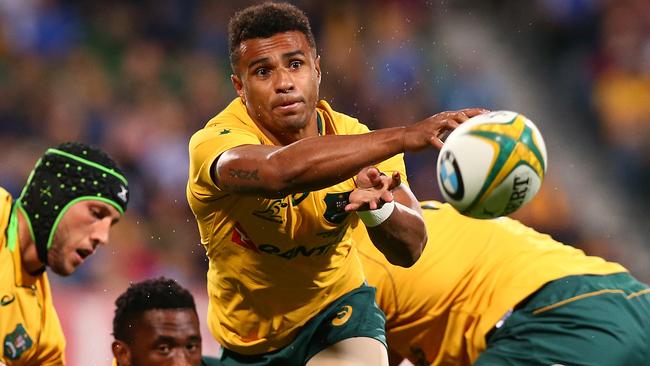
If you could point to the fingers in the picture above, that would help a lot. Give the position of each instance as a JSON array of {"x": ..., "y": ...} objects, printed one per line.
[
  {"x": 435, "y": 141},
  {"x": 435, "y": 129},
  {"x": 368, "y": 199},
  {"x": 375, "y": 177},
  {"x": 471, "y": 112},
  {"x": 358, "y": 206},
  {"x": 450, "y": 124},
  {"x": 368, "y": 177},
  {"x": 462, "y": 115},
  {"x": 386, "y": 196},
  {"x": 396, "y": 180}
]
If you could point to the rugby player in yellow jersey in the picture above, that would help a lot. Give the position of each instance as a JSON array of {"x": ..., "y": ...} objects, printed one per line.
[
  {"x": 72, "y": 198},
  {"x": 273, "y": 182},
  {"x": 496, "y": 292}
]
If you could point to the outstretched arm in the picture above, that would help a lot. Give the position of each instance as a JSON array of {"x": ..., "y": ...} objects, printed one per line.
[{"x": 318, "y": 162}]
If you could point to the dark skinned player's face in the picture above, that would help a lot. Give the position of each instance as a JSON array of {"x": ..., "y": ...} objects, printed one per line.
[
  {"x": 278, "y": 79},
  {"x": 162, "y": 337}
]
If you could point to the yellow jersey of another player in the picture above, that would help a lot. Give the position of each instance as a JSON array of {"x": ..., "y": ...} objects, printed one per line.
[
  {"x": 274, "y": 263},
  {"x": 470, "y": 274},
  {"x": 29, "y": 326}
]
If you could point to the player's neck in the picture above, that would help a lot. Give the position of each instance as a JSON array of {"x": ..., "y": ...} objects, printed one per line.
[{"x": 28, "y": 253}]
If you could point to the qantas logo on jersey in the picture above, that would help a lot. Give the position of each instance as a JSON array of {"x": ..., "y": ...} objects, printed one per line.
[
  {"x": 242, "y": 239},
  {"x": 296, "y": 251}
]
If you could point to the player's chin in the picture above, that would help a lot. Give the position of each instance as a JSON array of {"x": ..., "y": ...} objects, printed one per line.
[
  {"x": 293, "y": 120},
  {"x": 64, "y": 269}
]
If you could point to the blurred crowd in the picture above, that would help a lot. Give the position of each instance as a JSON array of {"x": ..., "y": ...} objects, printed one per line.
[
  {"x": 602, "y": 55},
  {"x": 138, "y": 78}
]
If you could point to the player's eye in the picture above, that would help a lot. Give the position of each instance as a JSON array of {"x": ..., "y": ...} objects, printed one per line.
[
  {"x": 193, "y": 347},
  {"x": 163, "y": 348},
  {"x": 97, "y": 213},
  {"x": 295, "y": 64},
  {"x": 262, "y": 71}
]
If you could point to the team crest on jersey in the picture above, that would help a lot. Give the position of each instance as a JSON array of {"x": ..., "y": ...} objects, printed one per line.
[
  {"x": 16, "y": 343},
  {"x": 335, "y": 211},
  {"x": 273, "y": 212}
]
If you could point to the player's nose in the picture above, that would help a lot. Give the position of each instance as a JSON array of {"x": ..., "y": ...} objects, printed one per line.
[
  {"x": 183, "y": 359},
  {"x": 100, "y": 233},
  {"x": 283, "y": 81}
]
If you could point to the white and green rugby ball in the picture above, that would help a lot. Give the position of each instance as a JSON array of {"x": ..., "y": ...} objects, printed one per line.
[{"x": 492, "y": 164}]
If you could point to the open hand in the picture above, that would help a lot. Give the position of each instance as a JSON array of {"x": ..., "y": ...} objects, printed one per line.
[
  {"x": 429, "y": 131},
  {"x": 373, "y": 189}
]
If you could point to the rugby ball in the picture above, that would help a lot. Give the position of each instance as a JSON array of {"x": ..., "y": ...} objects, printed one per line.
[{"x": 492, "y": 164}]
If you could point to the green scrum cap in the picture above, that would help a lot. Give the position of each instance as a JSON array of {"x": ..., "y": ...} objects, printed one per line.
[{"x": 67, "y": 174}]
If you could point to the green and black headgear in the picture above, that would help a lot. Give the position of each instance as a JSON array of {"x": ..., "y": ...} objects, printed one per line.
[{"x": 67, "y": 174}]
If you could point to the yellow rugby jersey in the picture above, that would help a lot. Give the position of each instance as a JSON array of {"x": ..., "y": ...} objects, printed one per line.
[
  {"x": 470, "y": 274},
  {"x": 274, "y": 263},
  {"x": 29, "y": 326}
]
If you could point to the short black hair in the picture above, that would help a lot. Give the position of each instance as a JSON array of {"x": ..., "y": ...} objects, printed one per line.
[
  {"x": 152, "y": 294},
  {"x": 263, "y": 21}
]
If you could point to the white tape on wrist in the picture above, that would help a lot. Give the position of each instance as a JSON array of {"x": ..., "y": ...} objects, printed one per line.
[{"x": 372, "y": 218}]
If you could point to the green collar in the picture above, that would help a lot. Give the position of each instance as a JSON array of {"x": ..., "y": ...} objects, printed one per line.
[
  {"x": 319, "y": 123},
  {"x": 12, "y": 228}
]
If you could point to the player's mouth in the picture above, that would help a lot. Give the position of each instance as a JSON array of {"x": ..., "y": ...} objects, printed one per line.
[
  {"x": 84, "y": 253},
  {"x": 288, "y": 105}
]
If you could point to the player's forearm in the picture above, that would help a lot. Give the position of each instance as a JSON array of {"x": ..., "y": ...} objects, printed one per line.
[
  {"x": 320, "y": 162},
  {"x": 401, "y": 238},
  {"x": 306, "y": 165}
]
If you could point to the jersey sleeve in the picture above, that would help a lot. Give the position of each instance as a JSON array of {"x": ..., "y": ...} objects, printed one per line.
[{"x": 206, "y": 146}]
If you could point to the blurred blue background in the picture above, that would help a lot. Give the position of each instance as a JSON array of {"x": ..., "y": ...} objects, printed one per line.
[{"x": 137, "y": 78}]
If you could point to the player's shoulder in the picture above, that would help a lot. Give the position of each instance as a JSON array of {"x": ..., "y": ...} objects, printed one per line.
[
  {"x": 341, "y": 122},
  {"x": 5, "y": 208},
  {"x": 234, "y": 115},
  {"x": 231, "y": 120},
  {"x": 5, "y": 196}
]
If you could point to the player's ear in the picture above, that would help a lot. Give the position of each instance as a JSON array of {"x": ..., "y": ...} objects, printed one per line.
[
  {"x": 239, "y": 86},
  {"x": 317, "y": 66},
  {"x": 122, "y": 353}
]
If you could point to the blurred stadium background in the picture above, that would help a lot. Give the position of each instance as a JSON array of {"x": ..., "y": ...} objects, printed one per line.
[{"x": 139, "y": 77}]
